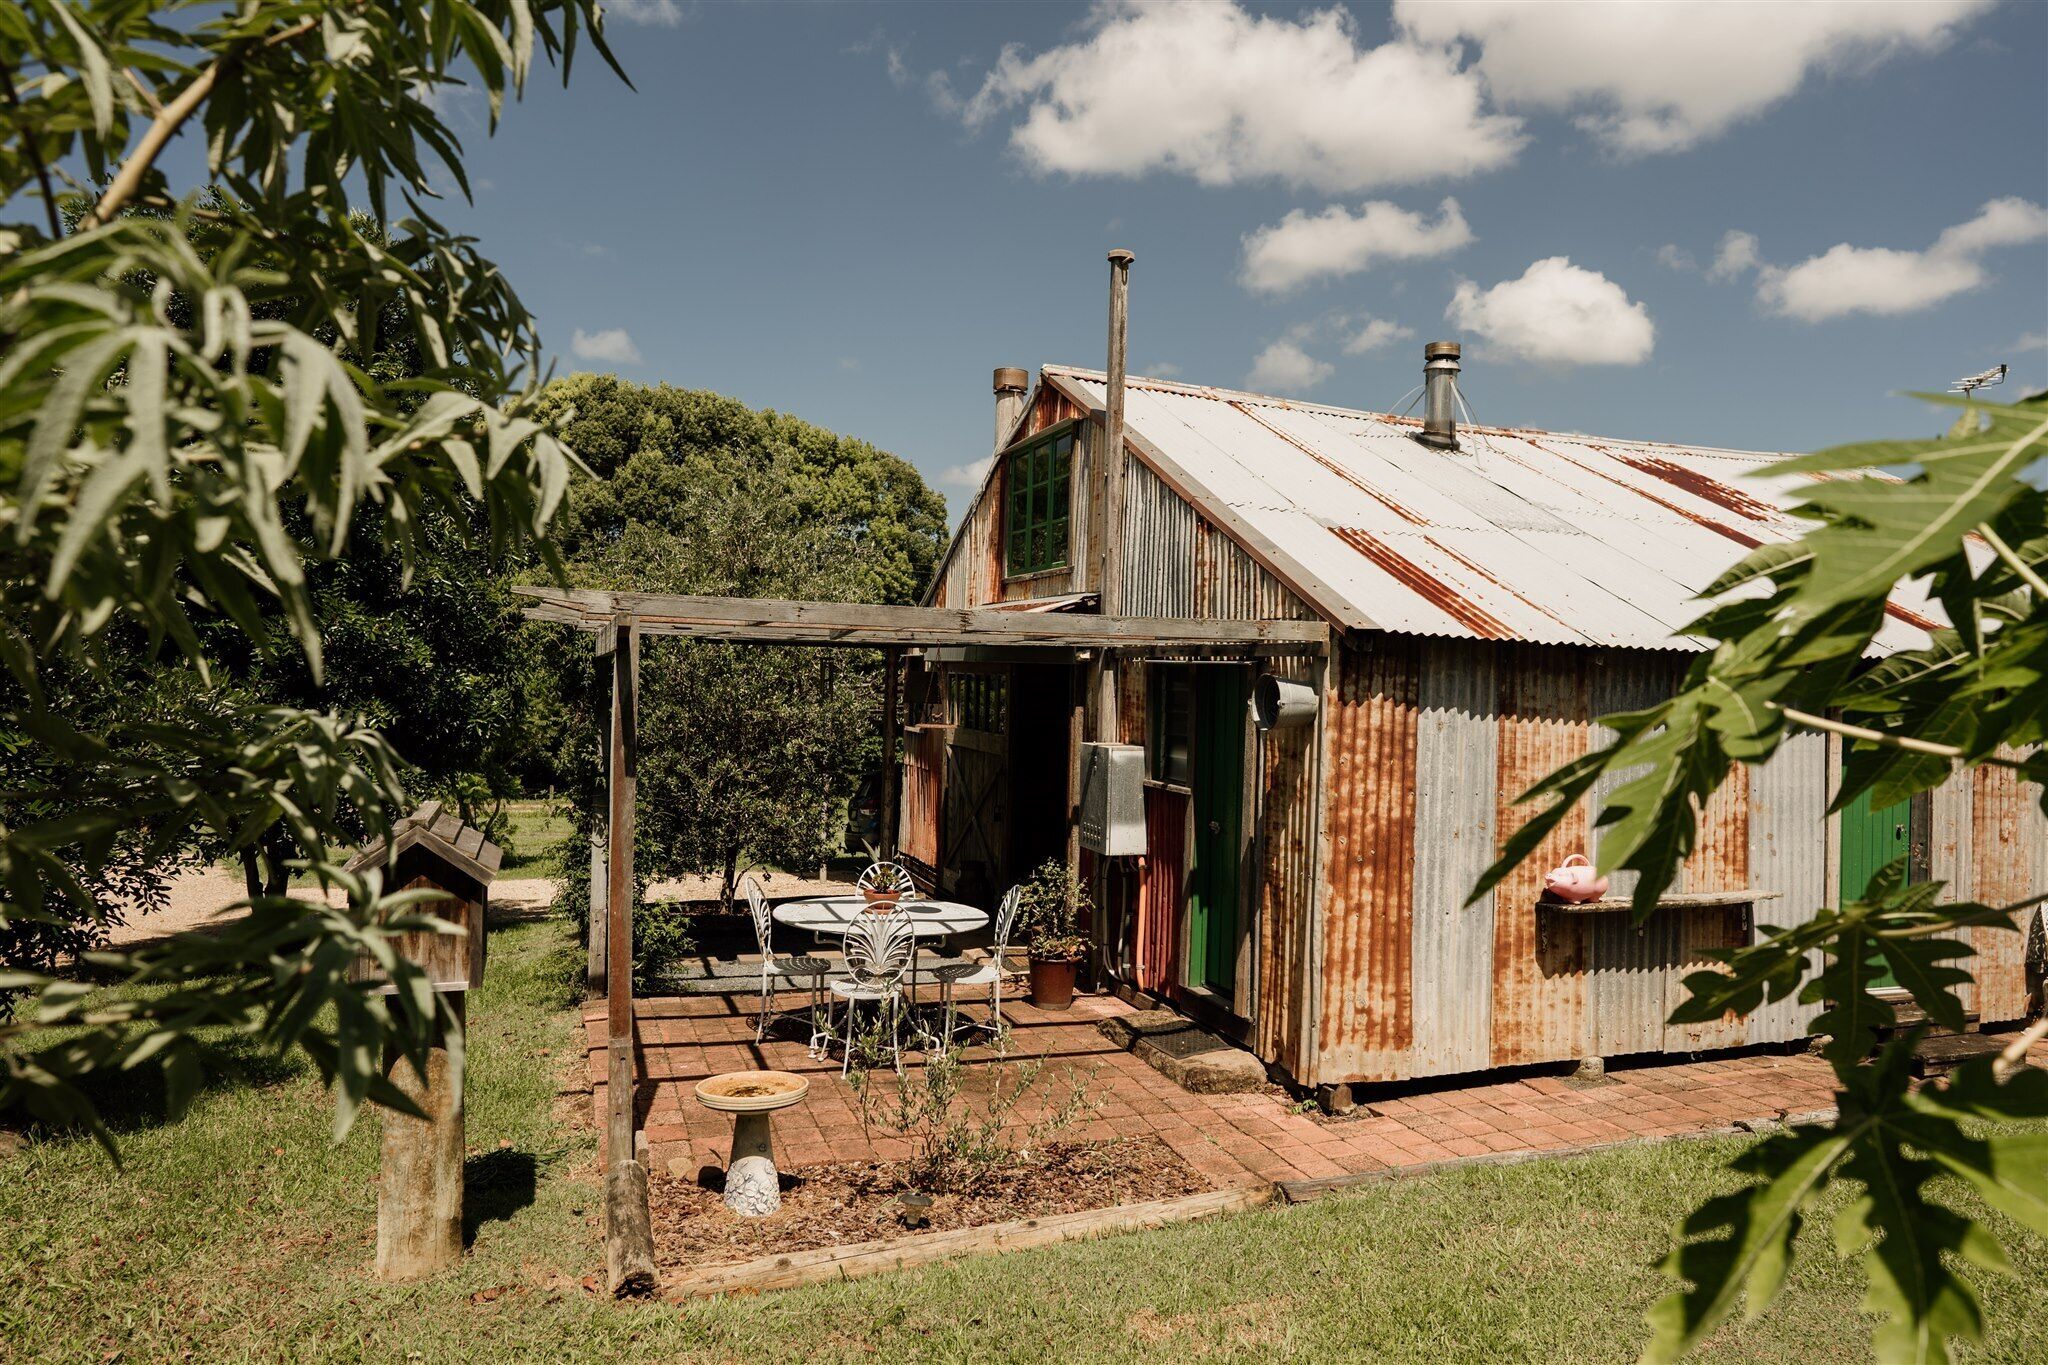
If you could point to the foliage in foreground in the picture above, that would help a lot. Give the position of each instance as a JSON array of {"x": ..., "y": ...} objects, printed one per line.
[
  {"x": 1792, "y": 623},
  {"x": 186, "y": 435}
]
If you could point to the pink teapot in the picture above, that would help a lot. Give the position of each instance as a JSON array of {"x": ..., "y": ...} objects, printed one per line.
[{"x": 1574, "y": 880}]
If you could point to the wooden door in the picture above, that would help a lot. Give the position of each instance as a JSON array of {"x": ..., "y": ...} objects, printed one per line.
[{"x": 1216, "y": 879}]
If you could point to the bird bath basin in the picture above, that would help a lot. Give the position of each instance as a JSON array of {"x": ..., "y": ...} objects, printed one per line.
[{"x": 753, "y": 1187}]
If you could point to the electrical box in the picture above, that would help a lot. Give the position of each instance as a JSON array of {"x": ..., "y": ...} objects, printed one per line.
[{"x": 1113, "y": 799}]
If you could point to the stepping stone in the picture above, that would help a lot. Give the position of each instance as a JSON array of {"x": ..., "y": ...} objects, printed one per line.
[
  {"x": 1191, "y": 1057},
  {"x": 1941, "y": 1053}
]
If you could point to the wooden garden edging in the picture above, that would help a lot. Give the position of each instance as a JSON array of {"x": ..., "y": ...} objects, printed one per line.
[{"x": 901, "y": 1253}]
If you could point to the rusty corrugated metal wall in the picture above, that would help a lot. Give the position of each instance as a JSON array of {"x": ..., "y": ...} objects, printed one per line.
[
  {"x": 1162, "y": 884},
  {"x": 1178, "y": 565},
  {"x": 924, "y": 766},
  {"x": 1289, "y": 857},
  {"x": 2007, "y": 851},
  {"x": 1430, "y": 743}
]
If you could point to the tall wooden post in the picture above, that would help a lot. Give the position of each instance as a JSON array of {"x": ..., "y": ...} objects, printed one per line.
[
  {"x": 629, "y": 1235},
  {"x": 892, "y": 658},
  {"x": 600, "y": 843},
  {"x": 419, "y": 1185},
  {"x": 1110, "y": 587}
]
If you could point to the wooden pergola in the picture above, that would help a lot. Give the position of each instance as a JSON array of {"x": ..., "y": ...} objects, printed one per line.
[{"x": 618, "y": 620}]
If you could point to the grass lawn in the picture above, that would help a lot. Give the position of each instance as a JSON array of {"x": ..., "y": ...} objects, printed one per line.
[
  {"x": 538, "y": 829},
  {"x": 242, "y": 1233}
]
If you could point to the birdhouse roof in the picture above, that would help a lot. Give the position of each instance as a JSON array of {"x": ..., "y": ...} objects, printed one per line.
[{"x": 440, "y": 833}]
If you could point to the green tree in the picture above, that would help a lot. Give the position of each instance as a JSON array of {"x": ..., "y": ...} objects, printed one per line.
[
  {"x": 1790, "y": 653},
  {"x": 187, "y": 436},
  {"x": 747, "y": 754}
]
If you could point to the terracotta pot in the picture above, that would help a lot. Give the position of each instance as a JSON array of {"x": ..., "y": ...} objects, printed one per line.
[
  {"x": 1052, "y": 983},
  {"x": 880, "y": 902}
]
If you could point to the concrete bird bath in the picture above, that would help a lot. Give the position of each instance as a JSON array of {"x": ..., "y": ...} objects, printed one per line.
[{"x": 753, "y": 1187}]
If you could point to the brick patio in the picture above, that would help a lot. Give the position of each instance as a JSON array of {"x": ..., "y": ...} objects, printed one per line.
[{"x": 1228, "y": 1138}]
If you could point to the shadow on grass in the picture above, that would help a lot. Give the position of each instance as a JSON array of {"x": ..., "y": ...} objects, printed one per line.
[{"x": 496, "y": 1185}]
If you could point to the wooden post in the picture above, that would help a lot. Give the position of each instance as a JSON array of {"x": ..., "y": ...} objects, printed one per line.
[
  {"x": 600, "y": 843},
  {"x": 1110, "y": 589},
  {"x": 419, "y": 1190},
  {"x": 892, "y": 656},
  {"x": 629, "y": 1235}
]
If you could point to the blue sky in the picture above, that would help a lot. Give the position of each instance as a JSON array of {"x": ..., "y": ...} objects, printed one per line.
[{"x": 852, "y": 212}]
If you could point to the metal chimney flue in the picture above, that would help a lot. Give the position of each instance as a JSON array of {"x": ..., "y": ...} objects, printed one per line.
[
  {"x": 1440, "y": 395},
  {"x": 1011, "y": 384}
]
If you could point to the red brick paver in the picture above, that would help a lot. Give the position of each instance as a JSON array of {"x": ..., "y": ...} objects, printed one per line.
[{"x": 1228, "y": 1138}]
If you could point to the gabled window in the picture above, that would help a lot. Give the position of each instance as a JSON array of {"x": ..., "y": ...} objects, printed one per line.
[{"x": 1036, "y": 480}]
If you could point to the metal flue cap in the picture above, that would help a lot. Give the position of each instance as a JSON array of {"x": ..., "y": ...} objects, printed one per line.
[
  {"x": 1124, "y": 255},
  {"x": 1441, "y": 350},
  {"x": 1440, "y": 395},
  {"x": 1010, "y": 379}
]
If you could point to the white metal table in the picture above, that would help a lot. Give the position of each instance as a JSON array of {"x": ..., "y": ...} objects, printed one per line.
[{"x": 928, "y": 919}]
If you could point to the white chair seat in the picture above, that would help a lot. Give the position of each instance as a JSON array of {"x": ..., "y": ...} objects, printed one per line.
[
  {"x": 984, "y": 974},
  {"x": 854, "y": 990}
]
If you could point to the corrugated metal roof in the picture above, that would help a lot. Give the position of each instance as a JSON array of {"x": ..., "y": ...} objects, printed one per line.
[{"x": 1516, "y": 535}]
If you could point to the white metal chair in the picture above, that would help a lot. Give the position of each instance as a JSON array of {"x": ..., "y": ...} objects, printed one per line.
[
  {"x": 878, "y": 953},
  {"x": 989, "y": 973},
  {"x": 887, "y": 876},
  {"x": 811, "y": 971}
]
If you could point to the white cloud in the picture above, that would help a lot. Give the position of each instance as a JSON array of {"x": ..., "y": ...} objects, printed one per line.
[
  {"x": 2031, "y": 341},
  {"x": 1165, "y": 369},
  {"x": 967, "y": 475},
  {"x": 658, "y": 13},
  {"x": 1674, "y": 257},
  {"x": 1847, "y": 279},
  {"x": 1656, "y": 76},
  {"x": 1374, "y": 334},
  {"x": 1737, "y": 256},
  {"x": 1557, "y": 313},
  {"x": 1210, "y": 91},
  {"x": 1284, "y": 367},
  {"x": 612, "y": 346},
  {"x": 1305, "y": 246}
]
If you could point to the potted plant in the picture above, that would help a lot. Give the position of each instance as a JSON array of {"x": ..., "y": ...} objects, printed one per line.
[{"x": 1053, "y": 901}]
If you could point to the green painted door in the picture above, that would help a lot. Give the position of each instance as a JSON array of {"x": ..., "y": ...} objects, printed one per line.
[
  {"x": 1218, "y": 782},
  {"x": 1870, "y": 839}
]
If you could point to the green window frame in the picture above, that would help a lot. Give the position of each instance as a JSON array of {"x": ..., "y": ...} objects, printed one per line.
[
  {"x": 1172, "y": 708},
  {"x": 1037, "y": 481}
]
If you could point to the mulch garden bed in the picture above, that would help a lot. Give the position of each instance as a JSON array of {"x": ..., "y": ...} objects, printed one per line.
[{"x": 856, "y": 1201}]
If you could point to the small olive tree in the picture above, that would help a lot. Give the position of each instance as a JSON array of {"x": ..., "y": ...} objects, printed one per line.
[
  {"x": 183, "y": 432},
  {"x": 1791, "y": 626}
]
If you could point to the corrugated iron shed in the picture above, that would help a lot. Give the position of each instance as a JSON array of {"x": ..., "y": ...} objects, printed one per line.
[{"x": 1516, "y": 535}]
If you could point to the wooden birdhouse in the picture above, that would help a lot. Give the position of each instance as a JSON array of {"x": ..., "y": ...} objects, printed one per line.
[{"x": 433, "y": 848}]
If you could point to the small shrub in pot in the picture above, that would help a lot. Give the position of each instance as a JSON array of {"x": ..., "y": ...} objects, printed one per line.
[{"x": 1054, "y": 900}]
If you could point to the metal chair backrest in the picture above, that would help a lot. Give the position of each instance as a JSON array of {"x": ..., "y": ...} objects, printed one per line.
[
  {"x": 887, "y": 877},
  {"x": 878, "y": 948},
  {"x": 758, "y": 904},
  {"x": 1006, "y": 918}
]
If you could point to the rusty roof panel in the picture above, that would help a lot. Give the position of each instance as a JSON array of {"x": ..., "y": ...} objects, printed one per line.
[{"x": 1527, "y": 535}]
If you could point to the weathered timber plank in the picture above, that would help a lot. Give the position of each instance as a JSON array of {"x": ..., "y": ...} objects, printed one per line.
[
  {"x": 873, "y": 1258},
  {"x": 1671, "y": 900}
]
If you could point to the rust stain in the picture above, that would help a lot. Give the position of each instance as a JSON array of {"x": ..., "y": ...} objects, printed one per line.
[
  {"x": 1699, "y": 485},
  {"x": 1339, "y": 470},
  {"x": 1498, "y": 582},
  {"x": 1423, "y": 584},
  {"x": 1539, "y": 957},
  {"x": 1742, "y": 538},
  {"x": 2005, "y": 829},
  {"x": 1289, "y": 843},
  {"x": 1909, "y": 616},
  {"x": 1368, "y": 928},
  {"x": 1161, "y": 888},
  {"x": 1719, "y": 862}
]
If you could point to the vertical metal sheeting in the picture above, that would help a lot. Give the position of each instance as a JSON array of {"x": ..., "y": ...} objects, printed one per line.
[
  {"x": 1177, "y": 565},
  {"x": 2005, "y": 867},
  {"x": 1160, "y": 888},
  {"x": 1789, "y": 853},
  {"x": 1456, "y": 755},
  {"x": 1284, "y": 910},
  {"x": 924, "y": 766},
  {"x": 1364, "y": 1025}
]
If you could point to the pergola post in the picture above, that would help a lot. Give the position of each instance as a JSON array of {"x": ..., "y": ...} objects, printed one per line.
[
  {"x": 629, "y": 1235},
  {"x": 892, "y": 658},
  {"x": 600, "y": 843}
]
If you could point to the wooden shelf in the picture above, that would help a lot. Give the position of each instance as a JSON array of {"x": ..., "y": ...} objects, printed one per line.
[{"x": 1675, "y": 900}]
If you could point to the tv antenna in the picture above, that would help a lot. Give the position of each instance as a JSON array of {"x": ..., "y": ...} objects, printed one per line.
[{"x": 1984, "y": 380}]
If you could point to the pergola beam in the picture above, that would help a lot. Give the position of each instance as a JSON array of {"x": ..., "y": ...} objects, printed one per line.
[{"x": 862, "y": 624}]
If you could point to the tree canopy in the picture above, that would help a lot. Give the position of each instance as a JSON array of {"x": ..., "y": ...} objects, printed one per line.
[{"x": 747, "y": 754}]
